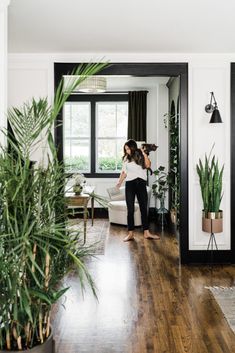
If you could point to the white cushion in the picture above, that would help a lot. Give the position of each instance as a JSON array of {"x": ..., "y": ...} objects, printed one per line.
[
  {"x": 118, "y": 210},
  {"x": 114, "y": 192},
  {"x": 120, "y": 205},
  {"x": 120, "y": 197}
]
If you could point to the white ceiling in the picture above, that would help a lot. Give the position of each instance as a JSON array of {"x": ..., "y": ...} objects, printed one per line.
[{"x": 122, "y": 26}]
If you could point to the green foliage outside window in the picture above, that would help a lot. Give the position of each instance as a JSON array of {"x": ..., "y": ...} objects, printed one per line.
[
  {"x": 110, "y": 163},
  {"x": 81, "y": 163}
]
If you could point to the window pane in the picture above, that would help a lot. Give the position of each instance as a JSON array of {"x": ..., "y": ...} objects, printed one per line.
[
  {"x": 77, "y": 155},
  {"x": 67, "y": 119},
  {"x": 110, "y": 155},
  {"x": 77, "y": 119},
  {"x": 122, "y": 119},
  {"x": 76, "y": 127},
  {"x": 111, "y": 135},
  {"x": 80, "y": 119},
  {"x": 120, "y": 144},
  {"x": 106, "y": 155},
  {"x": 112, "y": 119},
  {"x": 106, "y": 119}
]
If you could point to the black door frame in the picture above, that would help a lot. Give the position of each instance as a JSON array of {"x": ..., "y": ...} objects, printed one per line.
[
  {"x": 232, "y": 174},
  {"x": 224, "y": 256},
  {"x": 148, "y": 70}
]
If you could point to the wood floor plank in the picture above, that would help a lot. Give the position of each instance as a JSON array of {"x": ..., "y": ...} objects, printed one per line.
[{"x": 148, "y": 302}]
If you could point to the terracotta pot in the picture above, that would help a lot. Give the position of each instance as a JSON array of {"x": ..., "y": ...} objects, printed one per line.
[
  {"x": 46, "y": 347},
  {"x": 212, "y": 222}
]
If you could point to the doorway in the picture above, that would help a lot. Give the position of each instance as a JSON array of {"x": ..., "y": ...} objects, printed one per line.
[{"x": 151, "y": 70}]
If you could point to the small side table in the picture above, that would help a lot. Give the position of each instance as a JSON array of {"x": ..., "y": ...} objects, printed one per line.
[{"x": 82, "y": 200}]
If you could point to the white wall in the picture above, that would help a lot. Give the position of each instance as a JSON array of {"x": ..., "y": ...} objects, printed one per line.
[
  {"x": 3, "y": 65},
  {"x": 204, "y": 78},
  {"x": 207, "y": 72},
  {"x": 156, "y": 131}
]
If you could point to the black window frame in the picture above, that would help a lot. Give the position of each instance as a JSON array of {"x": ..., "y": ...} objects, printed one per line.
[{"x": 93, "y": 99}]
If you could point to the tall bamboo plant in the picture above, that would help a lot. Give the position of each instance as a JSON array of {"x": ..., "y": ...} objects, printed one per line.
[
  {"x": 36, "y": 249},
  {"x": 210, "y": 177}
]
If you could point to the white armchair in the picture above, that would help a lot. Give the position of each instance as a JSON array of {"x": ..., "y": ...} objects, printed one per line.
[{"x": 118, "y": 211}]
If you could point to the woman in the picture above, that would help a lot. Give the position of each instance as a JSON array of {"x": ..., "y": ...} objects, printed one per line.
[{"x": 135, "y": 162}]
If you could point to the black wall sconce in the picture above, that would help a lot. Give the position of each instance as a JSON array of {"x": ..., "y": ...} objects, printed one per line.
[{"x": 213, "y": 108}]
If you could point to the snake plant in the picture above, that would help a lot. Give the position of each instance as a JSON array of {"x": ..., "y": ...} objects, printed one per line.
[{"x": 210, "y": 177}]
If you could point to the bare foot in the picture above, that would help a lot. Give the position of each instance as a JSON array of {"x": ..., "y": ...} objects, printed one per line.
[
  {"x": 130, "y": 236},
  {"x": 147, "y": 235}
]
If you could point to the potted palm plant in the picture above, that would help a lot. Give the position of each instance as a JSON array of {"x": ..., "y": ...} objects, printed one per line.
[
  {"x": 210, "y": 177},
  {"x": 36, "y": 249}
]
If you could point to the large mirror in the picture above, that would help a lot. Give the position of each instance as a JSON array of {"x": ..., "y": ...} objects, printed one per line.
[{"x": 95, "y": 126}]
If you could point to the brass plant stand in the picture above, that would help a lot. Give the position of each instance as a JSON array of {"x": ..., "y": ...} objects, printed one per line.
[
  {"x": 212, "y": 222},
  {"x": 210, "y": 243},
  {"x": 212, "y": 240}
]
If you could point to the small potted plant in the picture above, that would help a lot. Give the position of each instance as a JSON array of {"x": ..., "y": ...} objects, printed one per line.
[
  {"x": 210, "y": 177},
  {"x": 78, "y": 182}
]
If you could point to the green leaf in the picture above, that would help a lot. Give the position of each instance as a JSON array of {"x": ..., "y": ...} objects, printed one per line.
[
  {"x": 26, "y": 304},
  {"x": 38, "y": 294},
  {"x": 56, "y": 295},
  {"x": 210, "y": 178},
  {"x": 33, "y": 220}
]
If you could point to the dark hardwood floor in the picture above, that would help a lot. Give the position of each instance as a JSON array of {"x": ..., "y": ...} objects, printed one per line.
[{"x": 148, "y": 303}]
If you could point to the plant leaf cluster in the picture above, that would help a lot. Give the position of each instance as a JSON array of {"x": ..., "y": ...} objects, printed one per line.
[
  {"x": 161, "y": 183},
  {"x": 36, "y": 248},
  {"x": 210, "y": 177}
]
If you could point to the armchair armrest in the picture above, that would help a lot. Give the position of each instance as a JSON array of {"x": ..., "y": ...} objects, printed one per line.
[{"x": 116, "y": 194}]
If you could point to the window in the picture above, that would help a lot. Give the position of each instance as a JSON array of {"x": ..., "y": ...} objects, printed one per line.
[
  {"x": 95, "y": 130},
  {"x": 77, "y": 139}
]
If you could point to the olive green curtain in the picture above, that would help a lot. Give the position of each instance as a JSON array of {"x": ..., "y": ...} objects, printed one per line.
[{"x": 137, "y": 112}]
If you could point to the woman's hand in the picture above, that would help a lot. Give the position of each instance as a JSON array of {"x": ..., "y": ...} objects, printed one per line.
[
  {"x": 122, "y": 177},
  {"x": 147, "y": 161},
  {"x": 118, "y": 185}
]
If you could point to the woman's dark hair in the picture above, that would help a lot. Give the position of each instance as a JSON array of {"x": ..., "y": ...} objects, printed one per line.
[
  {"x": 133, "y": 147},
  {"x": 136, "y": 153}
]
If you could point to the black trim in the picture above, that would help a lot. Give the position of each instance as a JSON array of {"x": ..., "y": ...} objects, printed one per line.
[
  {"x": 183, "y": 150},
  {"x": 102, "y": 175},
  {"x": 93, "y": 127},
  {"x": 223, "y": 256},
  {"x": 151, "y": 70},
  {"x": 232, "y": 137},
  {"x": 100, "y": 212}
]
